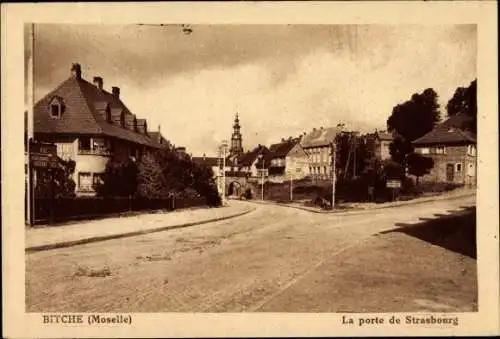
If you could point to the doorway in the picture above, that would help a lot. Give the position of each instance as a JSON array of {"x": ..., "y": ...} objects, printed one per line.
[{"x": 450, "y": 172}]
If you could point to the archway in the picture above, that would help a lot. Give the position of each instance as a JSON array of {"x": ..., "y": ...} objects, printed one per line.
[{"x": 234, "y": 189}]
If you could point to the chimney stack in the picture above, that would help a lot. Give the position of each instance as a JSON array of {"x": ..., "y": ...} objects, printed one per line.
[
  {"x": 76, "y": 71},
  {"x": 98, "y": 82},
  {"x": 116, "y": 91}
]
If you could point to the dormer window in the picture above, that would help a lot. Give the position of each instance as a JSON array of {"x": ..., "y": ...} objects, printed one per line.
[{"x": 56, "y": 108}]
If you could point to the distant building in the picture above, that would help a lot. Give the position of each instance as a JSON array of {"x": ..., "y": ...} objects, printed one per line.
[
  {"x": 378, "y": 144},
  {"x": 453, "y": 151},
  {"x": 252, "y": 163},
  {"x": 318, "y": 146},
  {"x": 90, "y": 125},
  {"x": 286, "y": 160}
]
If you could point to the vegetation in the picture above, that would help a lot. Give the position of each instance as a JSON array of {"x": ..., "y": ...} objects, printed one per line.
[
  {"x": 63, "y": 183},
  {"x": 159, "y": 175},
  {"x": 464, "y": 101},
  {"x": 410, "y": 121}
]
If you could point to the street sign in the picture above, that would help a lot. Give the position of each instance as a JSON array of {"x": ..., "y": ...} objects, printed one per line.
[
  {"x": 393, "y": 183},
  {"x": 43, "y": 155}
]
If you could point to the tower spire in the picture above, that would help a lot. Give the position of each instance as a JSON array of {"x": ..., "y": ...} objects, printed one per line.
[{"x": 236, "y": 138}]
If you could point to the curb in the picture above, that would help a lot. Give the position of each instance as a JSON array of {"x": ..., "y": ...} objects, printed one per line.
[
  {"x": 362, "y": 211},
  {"x": 71, "y": 243}
]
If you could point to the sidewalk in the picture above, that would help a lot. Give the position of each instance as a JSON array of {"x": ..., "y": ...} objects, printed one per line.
[
  {"x": 45, "y": 238},
  {"x": 356, "y": 208}
]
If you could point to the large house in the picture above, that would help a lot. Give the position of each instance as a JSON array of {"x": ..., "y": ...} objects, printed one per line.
[
  {"x": 453, "y": 150},
  {"x": 286, "y": 160},
  {"x": 318, "y": 146},
  {"x": 90, "y": 125}
]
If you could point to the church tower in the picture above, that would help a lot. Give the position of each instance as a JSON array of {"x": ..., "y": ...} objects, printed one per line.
[{"x": 236, "y": 139}]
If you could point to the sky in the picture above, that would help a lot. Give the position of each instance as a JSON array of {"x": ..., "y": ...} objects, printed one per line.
[{"x": 282, "y": 80}]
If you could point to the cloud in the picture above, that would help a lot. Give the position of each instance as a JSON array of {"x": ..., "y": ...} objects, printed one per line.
[{"x": 283, "y": 80}]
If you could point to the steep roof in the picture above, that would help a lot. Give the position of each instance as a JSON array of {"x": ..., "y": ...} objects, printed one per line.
[
  {"x": 281, "y": 149},
  {"x": 320, "y": 137},
  {"x": 248, "y": 158},
  {"x": 449, "y": 132},
  {"x": 83, "y": 104}
]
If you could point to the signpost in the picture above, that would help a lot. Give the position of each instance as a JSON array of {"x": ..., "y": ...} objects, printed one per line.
[
  {"x": 394, "y": 185},
  {"x": 41, "y": 156}
]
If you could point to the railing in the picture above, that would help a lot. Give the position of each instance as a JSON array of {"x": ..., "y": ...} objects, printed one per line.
[
  {"x": 94, "y": 152},
  {"x": 86, "y": 208}
]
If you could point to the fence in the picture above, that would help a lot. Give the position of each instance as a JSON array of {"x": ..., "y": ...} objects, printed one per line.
[{"x": 89, "y": 207}]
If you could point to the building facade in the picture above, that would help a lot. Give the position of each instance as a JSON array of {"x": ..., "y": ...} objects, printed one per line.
[
  {"x": 453, "y": 151},
  {"x": 318, "y": 146},
  {"x": 90, "y": 126},
  {"x": 378, "y": 144},
  {"x": 287, "y": 160}
]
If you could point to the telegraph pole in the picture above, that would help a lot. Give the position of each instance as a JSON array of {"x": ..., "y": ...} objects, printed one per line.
[
  {"x": 29, "y": 130},
  {"x": 223, "y": 146},
  {"x": 334, "y": 179}
]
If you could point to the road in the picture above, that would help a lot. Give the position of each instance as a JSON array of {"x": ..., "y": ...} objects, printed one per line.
[{"x": 251, "y": 263}]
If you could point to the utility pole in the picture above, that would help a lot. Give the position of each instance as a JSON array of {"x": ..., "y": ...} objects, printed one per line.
[
  {"x": 334, "y": 179},
  {"x": 291, "y": 185},
  {"x": 224, "y": 146},
  {"x": 262, "y": 182},
  {"x": 30, "y": 208}
]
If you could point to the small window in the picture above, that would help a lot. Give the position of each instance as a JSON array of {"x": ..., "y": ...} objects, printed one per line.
[
  {"x": 440, "y": 150},
  {"x": 85, "y": 181},
  {"x": 56, "y": 108},
  {"x": 55, "y": 111},
  {"x": 98, "y": 179},
  {"x": 459, "y": 167}
]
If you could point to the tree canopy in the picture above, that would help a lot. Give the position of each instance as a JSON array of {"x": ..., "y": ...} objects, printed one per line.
[
  {"x": 415, "y": 117},
  {"x": 464, "y": 101}
]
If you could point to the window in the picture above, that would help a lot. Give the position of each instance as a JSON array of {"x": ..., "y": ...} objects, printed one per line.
[
  {"x": 97, "y": 179},
  {"x": 423, "y": 150},
  {"x": 440, "y": 150},
  {"x": 84, "y": 144},
  {"x": 56, "y": 107},
  {"x": 55, "y": 111},
  {"x": 84, "y": 181},
  {"x": 458, "y": 167},
  {"x": 471, "y": 150}
]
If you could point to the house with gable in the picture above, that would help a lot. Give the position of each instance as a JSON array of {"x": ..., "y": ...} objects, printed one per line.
[
  {"x": 286, "y": 160},
  {"x": 251, "y": 163},
  {"x": 453, "y": 150},
  {"x": 90, "y": 125}
]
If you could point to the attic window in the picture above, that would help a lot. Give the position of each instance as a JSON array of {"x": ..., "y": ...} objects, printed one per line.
[{"x": 56, "y": 108}]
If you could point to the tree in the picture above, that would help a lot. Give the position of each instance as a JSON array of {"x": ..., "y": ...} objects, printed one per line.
[
  {"x": 150, "y": 179},
  {"x": 415, "y": 117},
  {"x": 411, "y": 120},
  {"x": 119, "y": 179},
  {"x": 64, "y": 185},
  {"x": 419, "y": 165},
  {"x": 464, "y": 101}
]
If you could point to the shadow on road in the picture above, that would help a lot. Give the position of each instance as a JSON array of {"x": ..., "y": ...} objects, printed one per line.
[{"x": 455, "y": 232}]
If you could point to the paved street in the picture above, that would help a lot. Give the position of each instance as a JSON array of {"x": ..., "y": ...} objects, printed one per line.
[{"x": 276, "y": 259}]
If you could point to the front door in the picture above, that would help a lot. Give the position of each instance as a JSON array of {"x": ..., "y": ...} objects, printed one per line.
[{"x": 450, "y": 170}]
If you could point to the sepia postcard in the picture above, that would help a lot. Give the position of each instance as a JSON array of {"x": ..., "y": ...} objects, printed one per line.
[{"x": 250, "y": 169}]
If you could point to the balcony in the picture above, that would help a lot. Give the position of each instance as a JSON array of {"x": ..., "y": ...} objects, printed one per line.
[{"x": 100, "y": 152}]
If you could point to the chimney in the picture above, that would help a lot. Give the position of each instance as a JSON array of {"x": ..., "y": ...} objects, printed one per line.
[
  {"x": 76, "y": 71},
  {"x": 116, "y": 91},
  {"x": 98, "y": 82}
]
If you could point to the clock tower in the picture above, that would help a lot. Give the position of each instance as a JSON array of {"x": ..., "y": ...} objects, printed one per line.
[{"x": 236, "y": 139}]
